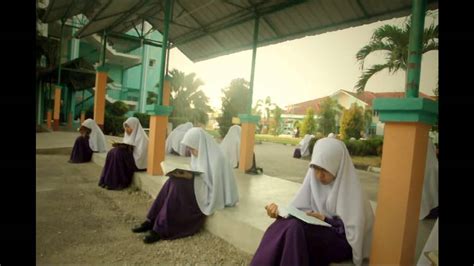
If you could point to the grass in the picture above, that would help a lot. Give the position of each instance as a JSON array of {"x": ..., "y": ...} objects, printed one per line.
[
  {"x": 276, "y": 139},
  {"x": 367, "y": 160}
]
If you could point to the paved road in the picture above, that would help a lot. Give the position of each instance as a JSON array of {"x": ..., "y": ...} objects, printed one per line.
[{"x": 277, "y": 160}]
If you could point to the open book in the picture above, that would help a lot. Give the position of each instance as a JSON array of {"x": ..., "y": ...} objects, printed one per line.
[
  {"x": 117, "y": 143},
  {"x": 170, "y": 167},
  {"x": 301, "y": 215}
]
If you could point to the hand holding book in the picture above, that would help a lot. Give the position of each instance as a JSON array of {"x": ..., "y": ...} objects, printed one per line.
[{"x": 178, "y": 170}]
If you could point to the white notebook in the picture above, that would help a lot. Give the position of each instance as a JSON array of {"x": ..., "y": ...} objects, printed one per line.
[{"x": 301, "y": 215}]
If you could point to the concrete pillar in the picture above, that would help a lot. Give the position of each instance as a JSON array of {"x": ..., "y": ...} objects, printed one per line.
[
  {"x": 57, "y": 105},
  {"x": 69, "y": 120},
  {"x": 83, "y": 116},
  {"x": 247, "y": 141},
  {"x": 157, "y": 134},
  {"x": 49, "y": 117},
  {"x": 399, "y": 194},
  {"x": 99, "y": 97},
  {"x": 407, "y": 122}
]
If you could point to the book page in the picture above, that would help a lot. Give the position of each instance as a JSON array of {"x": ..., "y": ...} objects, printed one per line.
[
  {"x": 301, "y": 215},
  {"x": 169, "y": 167}
]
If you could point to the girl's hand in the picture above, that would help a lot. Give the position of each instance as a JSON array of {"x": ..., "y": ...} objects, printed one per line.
[
  {"x": 272, "y": 210},
  {"x": 316, "y": 215}
]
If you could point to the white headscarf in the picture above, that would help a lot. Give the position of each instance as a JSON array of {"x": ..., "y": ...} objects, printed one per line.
[
  {"x": 331, "y": 135},
  {"x": 429, "y": 196},
  {"x": 139, "y": 140},
  {"x": 96, "y": 138},
  {"x": 343, "y": 197},
  {"x": 430, "y": 245},
  {"x": 231, "y": 145},
  {"x": 173, "y": 141},
  {"x": 215, "y": 188},
  {"x": 304, "y": 143}
]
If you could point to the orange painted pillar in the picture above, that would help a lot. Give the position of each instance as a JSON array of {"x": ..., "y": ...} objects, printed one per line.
[
  {"x": 247, "y": 141},
  {"x": 57, "y": 108},
  {"x": 157, "y": 134},
  {"x": 49, "y": 117},
  {"x": 99, "y": 97},
  {"x": 407, "y": 122},
  {"x": 83, "y": 117}
]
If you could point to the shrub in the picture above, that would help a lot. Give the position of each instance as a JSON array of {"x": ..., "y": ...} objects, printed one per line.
[{"x": 144, "y": 119}]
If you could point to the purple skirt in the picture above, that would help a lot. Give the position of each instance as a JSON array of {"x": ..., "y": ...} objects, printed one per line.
[
  {"x": 118, "y": 169},
  {"x": 293, "y": 242},
  {"x": 81, "y": 151},
  {"x": 175, "y": 212}
]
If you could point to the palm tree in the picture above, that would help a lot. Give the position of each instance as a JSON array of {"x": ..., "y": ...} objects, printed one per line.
[
  {"x": 393, "y": 40},
  {"x": 189, "y": 102}
]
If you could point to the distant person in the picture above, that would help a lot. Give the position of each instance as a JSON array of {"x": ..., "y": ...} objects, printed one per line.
[
  {"x": 429, "y": 196},
  {"x": 125, "y": 158},
  {"x": 173, "y": 141},
  {"x": 331, "y": 192},
  {"x": 297, "y": 134},
  {"x": 331, "y": 135},
  {"x": 182, "y": 204},
  {"x": 304, "y": 146},
  {"x": 91, "y": 140},
  {"x": 231, "y": 145}
]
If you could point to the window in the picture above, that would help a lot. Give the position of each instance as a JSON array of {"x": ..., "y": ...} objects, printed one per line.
[{"x": 151, "y": 63}]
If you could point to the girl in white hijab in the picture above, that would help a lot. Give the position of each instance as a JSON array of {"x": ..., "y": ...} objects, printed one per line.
[
  {"x": 91, "y": 140},
  {"x": 304, "y": 143},
  {"x": 96, "y": 137},
  {"x": 182, "y": 204},
  {"x": 125, "y": 158},
  {"x": 231, "y": 145},
  {"x": 330, "y": 192},
  {"x": 429, "y": 196},
  {"x": 173, "y": 141}
]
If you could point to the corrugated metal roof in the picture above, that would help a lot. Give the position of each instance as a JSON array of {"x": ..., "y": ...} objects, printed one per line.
[{"x": 203, "y": 29}]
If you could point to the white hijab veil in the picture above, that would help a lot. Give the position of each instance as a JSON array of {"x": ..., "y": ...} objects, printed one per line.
[
  {"x": 96, "y": 138},
  {"x": 139, "y": 140},
  {"x": 304, "y": 143},
  {"x": 429, "y": 196},
  {"x": 231, "y": 145},
  {"x": 216, "y": 187},
  {"x": 173, "y": 141},
  {"x": 343, "y": 197}
]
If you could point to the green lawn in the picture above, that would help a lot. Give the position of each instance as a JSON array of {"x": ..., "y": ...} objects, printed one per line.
[
  {"x": 276, "y": 139},
  {"x": 367, "y": 160}
]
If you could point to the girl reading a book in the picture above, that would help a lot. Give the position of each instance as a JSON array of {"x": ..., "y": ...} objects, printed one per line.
[
  {"x": 125, "y": 158},
  {"x": 330, "y": 192},
  {"x": 182, "y": 204},
  {"x": 231, "y": 145},
  {"x": 91, "y": 140},
  {"x": 173, "y": 141}
]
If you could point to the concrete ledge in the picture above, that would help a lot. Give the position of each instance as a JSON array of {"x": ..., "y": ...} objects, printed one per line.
[{"x": 244, "y": 225}]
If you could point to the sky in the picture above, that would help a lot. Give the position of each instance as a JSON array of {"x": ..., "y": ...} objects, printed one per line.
[{"x": 307, "y": 68}]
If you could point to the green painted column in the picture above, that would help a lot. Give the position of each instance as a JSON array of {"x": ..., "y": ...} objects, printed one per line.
[
  {"x": 415, "y": 48},
  {"x": 164, "y": 48},
  {"x": 254, "y": 58}
]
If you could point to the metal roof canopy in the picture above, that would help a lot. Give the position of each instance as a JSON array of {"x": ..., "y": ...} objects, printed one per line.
[{"x": 203, "y": 29}]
